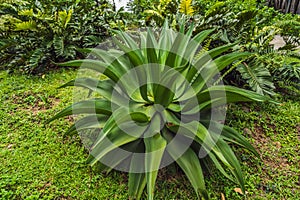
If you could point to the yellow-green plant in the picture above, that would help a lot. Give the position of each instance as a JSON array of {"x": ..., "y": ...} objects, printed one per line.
[{"x": 186, "y": 7}]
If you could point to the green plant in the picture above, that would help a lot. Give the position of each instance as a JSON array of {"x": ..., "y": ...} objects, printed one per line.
[
  {"x": 289, "y": 73},
  {"x": 290, "y": 32},
  {"x": 36, "y": 35},
  {"x": 185, "y": 7},
  {"x": 160, "y": 11},
  {"x": 160, "y": 113},
  {"x": 257, "y": 76}
]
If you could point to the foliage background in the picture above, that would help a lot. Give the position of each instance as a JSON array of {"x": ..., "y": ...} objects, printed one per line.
[{"x": 42, "y": 164}]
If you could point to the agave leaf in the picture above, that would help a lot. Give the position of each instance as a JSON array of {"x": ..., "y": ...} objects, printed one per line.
[
  {"x": 101, "y": 54},
  {"x": 151, "y": 44},
  {"x": 177, "y": 50},
  {"x": 122, "y": 117},
  {"x": 104, "y": 87},
  {"x": 224, "y": 61},
  {"x": 212, "y": 68},
  {"x": 200, "y": 63},
  {"x": 136, "y": 181},
  {"x": 197, "y": 132},
  {"x": 88, "y": 122},
  {"x": 120, "y": 157},
  {"x": 222, "y": 95},
  {"x": 136, "y": 185},
  {"x": 194, "y": 129},
  {"x": 93, "y": 106},
  {"x": 112, "y": 136},
  {"x": 174, "y": 107},
  {"x": 155, "y": 147},
  {"x": 231, "y": 158},
  {"x": 128, "y": 40},
  {"x": 200, "y": 37},
  {"x": 143, "y": 78},
  {"x": 94, "y": 65},
  {"x": 171, "y": 117},
  {"x": 230, "y": 134},
  {"x": 219, "y": 166},
  {"x": 163, "y": 93},
  {"x": 165, "y": 44},
  {"x": 188, "y": 162},
  {"x": 194, "y": 43},
  {"x": 133, "y": 54},
  {"x": 115, "y": 59},
  {"x": 114, "y": 139},
  {"x": 232, "y": 94}
]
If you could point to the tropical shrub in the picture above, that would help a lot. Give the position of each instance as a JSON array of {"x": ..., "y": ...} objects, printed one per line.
[
  {"x": 289, "y": 74},
  {"x": 35, "y": 35},
  {"x": 250, "y": 23},
  {"x": 154, "y": 104}
]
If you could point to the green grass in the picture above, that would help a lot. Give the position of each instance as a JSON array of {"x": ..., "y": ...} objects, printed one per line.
[{"x": 37, "y": 162}]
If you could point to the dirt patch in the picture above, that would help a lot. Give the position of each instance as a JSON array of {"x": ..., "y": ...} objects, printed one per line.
[
  {"x": 269, "y": 152},
  {"x": 34, "y": 103}
]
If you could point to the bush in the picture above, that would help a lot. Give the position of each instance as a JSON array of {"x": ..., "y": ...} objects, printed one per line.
[
  {"x": 35, "y": 35},
  {"x": 249, "y": 23}
]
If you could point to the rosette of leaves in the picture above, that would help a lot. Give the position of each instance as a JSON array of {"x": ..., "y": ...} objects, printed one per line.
[{"x": 159, "y": 111}]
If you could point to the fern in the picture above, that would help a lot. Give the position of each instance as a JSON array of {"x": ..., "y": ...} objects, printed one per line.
[{"x": 186, "y": 7}]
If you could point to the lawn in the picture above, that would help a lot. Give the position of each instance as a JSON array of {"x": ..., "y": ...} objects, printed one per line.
[{"x": 39, "y": 162}]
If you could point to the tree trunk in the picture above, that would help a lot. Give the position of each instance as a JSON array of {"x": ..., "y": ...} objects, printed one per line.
[{"x": 285, "y": 6}]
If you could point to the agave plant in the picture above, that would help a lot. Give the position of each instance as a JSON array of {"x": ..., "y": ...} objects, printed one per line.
[{"x": 155, "y": 106}]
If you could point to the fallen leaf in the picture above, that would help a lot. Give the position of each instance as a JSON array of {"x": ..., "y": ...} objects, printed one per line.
[
  {"x": 238, "y": 190},
  {"x": 222, "y": 196}
]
